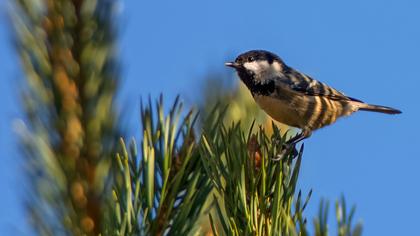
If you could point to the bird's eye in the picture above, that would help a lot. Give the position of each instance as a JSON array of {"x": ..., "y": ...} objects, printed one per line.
[{"x": 250, "y": 59}]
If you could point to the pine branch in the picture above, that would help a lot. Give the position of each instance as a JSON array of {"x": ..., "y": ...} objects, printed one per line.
[
  {"x": 255, "y": 193},
  {"x": 163, "y": 189}
]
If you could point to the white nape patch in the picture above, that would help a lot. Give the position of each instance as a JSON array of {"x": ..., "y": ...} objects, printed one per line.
[
  {"x": 277, "y": 66},
  {"x": 264, "y": 70}
]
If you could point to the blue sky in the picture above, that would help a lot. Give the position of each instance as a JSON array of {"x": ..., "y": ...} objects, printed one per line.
[{"x": 367, "y": 49}]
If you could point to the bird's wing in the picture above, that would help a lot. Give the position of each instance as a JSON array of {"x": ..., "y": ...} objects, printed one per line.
[{"x": 304, "y": 84}]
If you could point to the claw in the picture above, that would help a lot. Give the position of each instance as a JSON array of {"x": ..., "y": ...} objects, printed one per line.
[{"x": 279, "y": 156}]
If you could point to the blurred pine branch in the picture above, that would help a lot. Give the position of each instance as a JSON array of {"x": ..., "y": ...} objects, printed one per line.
[
  {"x": 67, "y": 51},
  {"x": 222, "y": 89}
]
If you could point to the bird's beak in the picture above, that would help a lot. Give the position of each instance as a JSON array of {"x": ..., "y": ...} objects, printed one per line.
[{"x": 232, "y": 64}]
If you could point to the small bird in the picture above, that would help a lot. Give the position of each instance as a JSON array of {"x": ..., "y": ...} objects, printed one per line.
[{"x": 294, "y": 98}]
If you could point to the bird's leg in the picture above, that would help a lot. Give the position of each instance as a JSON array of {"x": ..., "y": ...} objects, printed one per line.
[
  {"x": 287, "y": 146},
  {"x": 306, "y": 133}
]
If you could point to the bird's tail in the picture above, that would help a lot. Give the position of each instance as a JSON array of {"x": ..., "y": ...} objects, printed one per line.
[{"x": 378, "y": 108}]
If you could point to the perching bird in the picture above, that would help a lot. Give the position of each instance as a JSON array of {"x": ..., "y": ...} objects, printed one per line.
[{"x": 294, "y": 98}]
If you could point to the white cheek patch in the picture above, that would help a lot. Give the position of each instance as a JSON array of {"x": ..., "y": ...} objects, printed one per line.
[
  {"x": 256, "y": 66},
  {"x": 263, "y": 70}
]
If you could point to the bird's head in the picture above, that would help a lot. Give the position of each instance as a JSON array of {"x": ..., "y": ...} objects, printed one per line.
[{"x": 257, "y": 65}]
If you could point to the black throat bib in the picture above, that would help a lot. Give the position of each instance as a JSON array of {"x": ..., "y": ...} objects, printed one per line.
[{"x": 257, "y": 88}]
